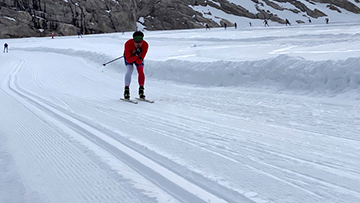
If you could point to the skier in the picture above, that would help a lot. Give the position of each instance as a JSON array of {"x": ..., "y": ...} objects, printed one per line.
[
  {"x": 135, "y": 52},
  {"x": 327, "y": 20},
  {"x": 207, "y": 26},
  {"x": 287, "y": 22},
  {"x": 266, "y": 23},
  {"x": 79, "y": 34},
  {"x": 235, "y": 25},
  {"x": 6, "y": 48},
  {"x": 52, "y": 35}
]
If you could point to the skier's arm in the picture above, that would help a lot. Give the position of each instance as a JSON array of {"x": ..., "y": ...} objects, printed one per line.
[{"x": 140, "y": 58}]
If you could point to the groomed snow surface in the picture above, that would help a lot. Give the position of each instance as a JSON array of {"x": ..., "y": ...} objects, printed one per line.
[{"x": 248, "y": 115}]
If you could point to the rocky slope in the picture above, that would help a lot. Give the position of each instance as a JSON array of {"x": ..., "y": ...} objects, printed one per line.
[{"x": 26, "y": 18}]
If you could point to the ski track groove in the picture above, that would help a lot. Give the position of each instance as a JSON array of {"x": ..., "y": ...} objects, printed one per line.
[
  {"x": 237, "y": 157},
  {"x": 286, "y": 176},
  {"x": 310, "y": 179},
  {"x": 32, "y": 140},
  {"x": 289, "y": 179},
  {"x": 42, "y": 147},
  {"x": 177, "y": 191},
  {"x": 224, "y": 152}
]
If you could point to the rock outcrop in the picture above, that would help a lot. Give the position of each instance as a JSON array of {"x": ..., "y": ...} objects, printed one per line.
[{"x": 25, "y": 18}]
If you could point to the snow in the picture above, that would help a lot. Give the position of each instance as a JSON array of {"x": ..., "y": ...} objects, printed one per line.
[
  {"x": 9, "y": 18},
  {"x": 249, "y": 115},
  {"x": 334, "y": 16},
  {"x": 218, "y": 15}
]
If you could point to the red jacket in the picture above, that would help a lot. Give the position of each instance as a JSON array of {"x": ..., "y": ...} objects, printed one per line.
[{"x": 129, "y": 52}]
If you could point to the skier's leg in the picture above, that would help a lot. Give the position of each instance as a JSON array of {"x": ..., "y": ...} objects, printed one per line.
[
  {"x": 141, "y": 80},
  {"x": 129, "y": 71},
  {"x": 141, "y": 75}
]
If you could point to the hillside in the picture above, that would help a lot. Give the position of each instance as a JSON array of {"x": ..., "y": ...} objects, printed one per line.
[{"x": 23, "y": 18}]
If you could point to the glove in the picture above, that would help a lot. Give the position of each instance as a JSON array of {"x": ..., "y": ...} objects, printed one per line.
[
  {"x": 138, "y": 61},
  {"x": 138, "y": 51}
]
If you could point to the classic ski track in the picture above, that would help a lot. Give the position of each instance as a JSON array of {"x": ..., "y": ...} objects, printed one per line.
[
  {"x": 287, "y": 176},
  {"x": 238, "y": 158},
  {"x": 249, "y": 147},
  {"x": 176, "y": 185},
  {"x": 336, "y": 169},
  {"x": 196, "y": 104},
  {"x": 55, "y": 167},
  {"x": 227, "y": 193}
]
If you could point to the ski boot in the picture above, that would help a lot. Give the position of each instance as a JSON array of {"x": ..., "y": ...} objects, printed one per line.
[
  {"x": 141, "y": 92},
  {"x": 127, "y": 92}
]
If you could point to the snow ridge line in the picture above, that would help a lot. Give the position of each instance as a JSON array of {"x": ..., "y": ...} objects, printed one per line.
[{"x": 169, "y": 181}]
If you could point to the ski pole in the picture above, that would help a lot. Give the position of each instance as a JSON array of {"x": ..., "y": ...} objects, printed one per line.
[{"x": 113, "y": 60}]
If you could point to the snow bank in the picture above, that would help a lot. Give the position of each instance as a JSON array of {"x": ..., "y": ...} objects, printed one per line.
[{"x": 281, "y": 73}]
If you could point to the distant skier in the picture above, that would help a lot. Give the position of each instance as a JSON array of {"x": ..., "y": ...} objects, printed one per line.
[
  {"x": 287, "y": 22},
  {"x": 207, "y": 27},
  {"x": 225, "y": 26},
  {"x": 235, "y": 25},
  {"x": 309, "y": 20},
  {"x": 6, "y": 48},
  {"x": 250, "y": 24},
  {"x": 266, "y": 23},
  {"x": 327, "y": 20},
  {"x": 135, "y": 52},
  {"x": 52, "y": 35},
  {"x": 79, "y": 34}
]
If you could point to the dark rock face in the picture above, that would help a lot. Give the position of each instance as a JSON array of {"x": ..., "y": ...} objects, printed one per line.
[
  {"x": 34, "y": 18},
  {"x": 25, "y": 18}
]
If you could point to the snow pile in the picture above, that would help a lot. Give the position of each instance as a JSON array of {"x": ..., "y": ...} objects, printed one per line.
[{"x": 280, "y": 73}]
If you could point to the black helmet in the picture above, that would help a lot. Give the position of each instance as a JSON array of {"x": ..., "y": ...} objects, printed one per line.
[{"x": 138, "y": 36}]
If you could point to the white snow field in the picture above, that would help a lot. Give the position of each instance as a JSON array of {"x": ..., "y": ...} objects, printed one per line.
[{"x": 249, "y": 115}]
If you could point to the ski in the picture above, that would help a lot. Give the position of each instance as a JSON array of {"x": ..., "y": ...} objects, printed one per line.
[
  {"x": 145, "y": 100},
  {"x": 129, "y": 100}
]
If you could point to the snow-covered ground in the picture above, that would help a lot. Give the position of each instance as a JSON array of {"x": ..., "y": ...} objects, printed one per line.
[
  {"x": 284, "y": 11},
  {"x": 248, "y": 115}
]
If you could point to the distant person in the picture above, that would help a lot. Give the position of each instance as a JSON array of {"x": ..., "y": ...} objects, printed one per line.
[
  {"x": 235, "y": 25},
  {"x": 327, "y": 20},
  {"x": 287, "y": 22},
  {"x": 52, "y": 35},
  {"x": 309, "y": 20},
  {"x": 207, "y": 27},
  {"x": 79, "y": 34},
  {"x": 250, "y": 24},
  {"x": 134, "y": 54},
  {"x": 6, "y": 48},
  {"x": 266, "y": 23},
  {"x": 225, "y": 25}
]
